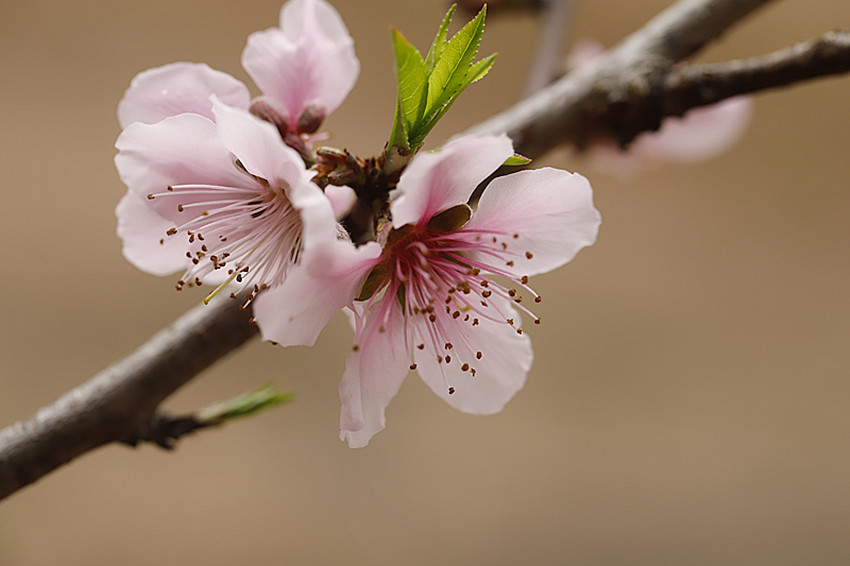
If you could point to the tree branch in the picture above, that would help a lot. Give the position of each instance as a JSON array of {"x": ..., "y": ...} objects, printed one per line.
[
  {"x": 702, "y": 84},
  {"x": 614, "y": 96},
  {"x": 115, "y": 404},
  {"x": 621, "y": 95}
]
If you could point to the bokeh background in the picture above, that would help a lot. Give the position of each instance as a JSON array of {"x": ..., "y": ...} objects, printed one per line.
[{"x": 689, "y": 398}]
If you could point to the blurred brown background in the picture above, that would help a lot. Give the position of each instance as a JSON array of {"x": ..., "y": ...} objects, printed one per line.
[{"x": 689, "y": 399}]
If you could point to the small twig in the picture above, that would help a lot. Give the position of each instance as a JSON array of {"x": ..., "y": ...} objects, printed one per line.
[{"x": 164, "y": 429}]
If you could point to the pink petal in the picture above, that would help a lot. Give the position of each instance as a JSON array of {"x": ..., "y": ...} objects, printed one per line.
[
  {"x": 441, "y": 179},
  {"x": 309, "y": 59},
  {"x": 499, "y": 373},
  {"x": 181, "y": 149},
  {"x": 373, "y": 374},
  {"x": 342, "y": 199},
  {"x": 142, "y": 231},
  {"x": 295, "y": 312},
  {"x": 546, "y": 212},
  {"x": 176, "y": 89},
  {"x": 702, "y": 133},
  {"x": 258, "y": 147}
]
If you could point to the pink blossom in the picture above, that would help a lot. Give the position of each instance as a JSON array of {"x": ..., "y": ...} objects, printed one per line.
[
  {"x": 223, "y": 200},
  {"x": 305, "y": 68},
  {"x": 440, "y": 293},
  {"x": 701, "y": 134}
]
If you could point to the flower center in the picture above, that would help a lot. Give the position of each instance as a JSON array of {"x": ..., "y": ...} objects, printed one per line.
[
  {"x": 248, "y": 234},
  {"x": 447, "y": 283}
]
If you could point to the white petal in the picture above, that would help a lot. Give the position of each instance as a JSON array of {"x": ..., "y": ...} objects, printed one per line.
[
  {"x": 176, "y": 89},
  {"x": 295, "y": 312},
  {"x": 308, "y": 60},
  {"x": 178, "y": 150},
  {"x": 441, "y": 179},
  {"x": 499, "y": 373},
  {"x": 142, "y": 231},
  {"x": 258, "y": 147},
  {"x": 373, "y": 374},
  {"x": 550, "y": 211}
]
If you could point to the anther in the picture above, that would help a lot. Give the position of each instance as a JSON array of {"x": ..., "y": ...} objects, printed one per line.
[
  {"x": 448, "y": 359},
  {"x": 524, "y": 279},
  {"x": 412, "y": 366},
  {"x": 529, "y": 255},
  {"x": 150, "y": 196},
  {"x": 464, "y": 367},
  {"x": 421, "y": 346},
  {"x": 538, "y": 298},
  {"x": 478, "y": 355},
  {"x": 536, "y": 321},
  {"x": 451, "y": 390},
  {"x": 179, "y": 208},
  {"x": 355, "y": 348}
]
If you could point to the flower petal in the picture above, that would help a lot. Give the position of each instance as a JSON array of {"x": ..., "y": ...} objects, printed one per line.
[
  {"x": 296, "y": 311},
  {"x": 177, "y": 150},
  {"x": 373, "y": 374},
  {"x": 700, "y": 134},
  {"x": 176, "y": 89},
  {"x": 500, "y": 372},
  {"x": 142, "y": 231},
  {"x": 258, "y": 147},
  {"x": 546, "y": 212},
  {"x": 309, "y": 59},
  {"x": 438, "y": 180}
]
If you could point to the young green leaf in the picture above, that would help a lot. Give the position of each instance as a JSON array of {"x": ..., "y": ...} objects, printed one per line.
[
  {"x": 426, "y": 88},
  {"x": 517, "y": 159},
  {"x": 243, "y": 405},
  {"x": 439, "y": 42},
  {"x": 412, "y": 79}
]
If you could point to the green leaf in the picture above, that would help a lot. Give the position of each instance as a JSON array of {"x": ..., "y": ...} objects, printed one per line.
[
  {"x": 439, "y": 42},
  {"x": 451, "y": 68},
  {"x": 517, "y": 159},
  {"x": 412, "y": 84},
  {"x": 426, "y": 88},
  {"x": 478, "y": 70},
  {"x": 250, "y": 403}
]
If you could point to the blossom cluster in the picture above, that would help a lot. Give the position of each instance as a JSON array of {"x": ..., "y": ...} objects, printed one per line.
[{"x": 232, "y": 192}]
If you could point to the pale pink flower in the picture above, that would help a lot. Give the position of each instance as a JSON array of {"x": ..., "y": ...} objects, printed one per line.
[
  {"x": 699, "y": 135},
  {"x": 224, "y": 200},
  {"x": 305, "y": 68},
  {"x": 440, "y": 293}
]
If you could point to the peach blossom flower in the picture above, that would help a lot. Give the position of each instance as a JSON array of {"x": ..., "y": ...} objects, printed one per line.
[{"x": 440, "y": 293}]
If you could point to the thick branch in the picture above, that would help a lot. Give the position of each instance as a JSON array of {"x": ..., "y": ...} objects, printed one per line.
[
  {"x": 622, "y": 94},
  {"x": 698, "y": 85},
  {"x": 114, "y": 404},
  {"x": 616, "y": 95}
]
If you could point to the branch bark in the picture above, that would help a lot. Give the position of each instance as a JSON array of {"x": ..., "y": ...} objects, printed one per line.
[
  {"x": 630, "y": 90},
  {"x": 115, "y": 405}
]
